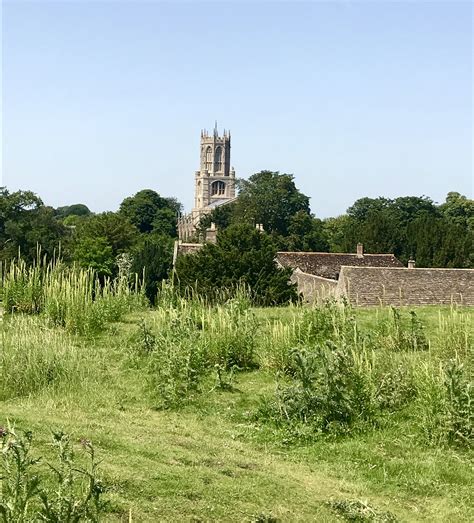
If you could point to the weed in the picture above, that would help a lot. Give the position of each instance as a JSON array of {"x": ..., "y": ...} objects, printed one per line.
[
  {"x": 459, "y": 413},
  {"x": 360, "y": 511},
  {"x": 397, "y": 334},
  {"x": 78, "y": 491},
  {"x": 331, "y": 391},
  {"x": 20, "y": 485},
  {"x": 69, "y": 495}
]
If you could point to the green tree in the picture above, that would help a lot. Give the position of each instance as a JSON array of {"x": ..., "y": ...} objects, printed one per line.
[
  {"x": 459, "y": 210},
  {"x": 306, "y": 233},
  {"x": 148, "y": 211},
  {"x": 116, "y": 229},
  {"x": 94, "y": 252},
  {"x": 153, "y": 258},
  {"x": 106, "y": 235},
  {"x": 336, "y": 232},
  {"x": 242, "y": 255},
  {"x": 77, "y": 209},
  {"x": 361, "y": 209},
  {"x": 28, "y": 226},
  {"x": 222, "y": 216},
  {"x": 269, "y": 198}
]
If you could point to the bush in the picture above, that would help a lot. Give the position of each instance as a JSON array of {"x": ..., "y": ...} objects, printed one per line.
[
  {"x": 242, "y": 256},
  {"x": 331, "y": 391}
]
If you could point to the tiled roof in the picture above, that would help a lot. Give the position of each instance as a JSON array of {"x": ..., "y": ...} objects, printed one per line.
[
  {"x": 328, "y": 264},
  {"x": 401, "y": 286}
]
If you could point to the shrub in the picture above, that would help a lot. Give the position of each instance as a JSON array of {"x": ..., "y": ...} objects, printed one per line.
[
  {"x": 241, "y": 256},
  {"x": 331, "y": 391}
]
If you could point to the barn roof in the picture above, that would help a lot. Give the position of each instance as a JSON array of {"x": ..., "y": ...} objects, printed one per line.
[
  {"x": 328, "y": 264},
  {"x": 402, "y": 286}
]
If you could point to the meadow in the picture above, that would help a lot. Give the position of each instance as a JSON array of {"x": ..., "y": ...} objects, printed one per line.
[{"x": 191, "y": 411}]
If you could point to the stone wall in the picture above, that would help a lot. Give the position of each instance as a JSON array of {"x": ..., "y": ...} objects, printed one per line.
[
  {"x": 313, "y": 288},
  {"x": 368, "y": 286},
  {"x": 181, "y": 248}
]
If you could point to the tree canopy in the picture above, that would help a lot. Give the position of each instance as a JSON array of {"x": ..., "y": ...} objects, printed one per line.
[
  {"x": 242, "y": 255},
  {"x": 27, "y": 226},
  {"x": 148, "y": 211}
]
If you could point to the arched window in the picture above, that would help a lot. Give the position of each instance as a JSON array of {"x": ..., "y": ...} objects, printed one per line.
[
  {"x": 218, "y": 160},
  {"x": 218, "y": 189},
  {"x": 209, "y": 158}
]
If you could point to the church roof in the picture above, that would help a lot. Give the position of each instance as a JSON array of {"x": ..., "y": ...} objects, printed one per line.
[
  {"x": 328, "y": 264},
  {"x": 218, "y": 203}
]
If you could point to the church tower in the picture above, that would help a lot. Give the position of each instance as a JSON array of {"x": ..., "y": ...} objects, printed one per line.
[{"x": 214, "y": 183}]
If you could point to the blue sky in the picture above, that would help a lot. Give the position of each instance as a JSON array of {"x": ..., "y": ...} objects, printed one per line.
[{"x": 102, "y": 99}]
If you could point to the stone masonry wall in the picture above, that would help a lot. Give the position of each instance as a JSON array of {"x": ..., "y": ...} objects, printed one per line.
[
  {"x": 313, "y": 288},
  {"x": 366, "y": 286}
]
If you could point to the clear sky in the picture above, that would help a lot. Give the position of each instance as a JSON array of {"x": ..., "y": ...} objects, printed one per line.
[{"x": 102, "y": 99}]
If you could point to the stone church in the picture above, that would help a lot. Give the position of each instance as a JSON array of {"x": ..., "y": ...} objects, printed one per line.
[{"x": 214, "y": 183}]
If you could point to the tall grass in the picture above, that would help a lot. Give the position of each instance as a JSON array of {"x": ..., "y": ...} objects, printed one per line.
[
  {"x": 35, "y": 356},
  {"x": 333, "y": 373},
  {"x": 68, "y": 297},
  {"x": 187, "y": 341}
]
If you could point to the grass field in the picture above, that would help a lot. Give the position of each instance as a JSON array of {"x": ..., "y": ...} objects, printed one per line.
[{"x": 186, "y": 439}]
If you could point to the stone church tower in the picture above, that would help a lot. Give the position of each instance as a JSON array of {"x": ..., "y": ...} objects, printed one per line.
[{"x": 214, "y": 183}]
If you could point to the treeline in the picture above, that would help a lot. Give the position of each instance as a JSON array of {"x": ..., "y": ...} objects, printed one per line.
[
  {"x": 140, "y": 235},
  {"x": 410, "y": 226}
]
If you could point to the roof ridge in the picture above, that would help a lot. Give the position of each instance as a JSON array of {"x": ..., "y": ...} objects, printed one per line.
[
  {"x": 336, "y": 253},
  {"x": 406, "y": 268}
]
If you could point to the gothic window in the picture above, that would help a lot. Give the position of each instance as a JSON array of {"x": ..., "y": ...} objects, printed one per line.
[
  {"x": 218, "y": 189},
  {"x": 209, "y": 158},
  {"x": 218, "y": 162}
]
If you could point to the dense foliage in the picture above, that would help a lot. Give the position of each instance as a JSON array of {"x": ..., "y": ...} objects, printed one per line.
[
  {"x": 142, "y": 232},
  {"x": 435, "y": 235},
  {"x": 241, "y": 256}
]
